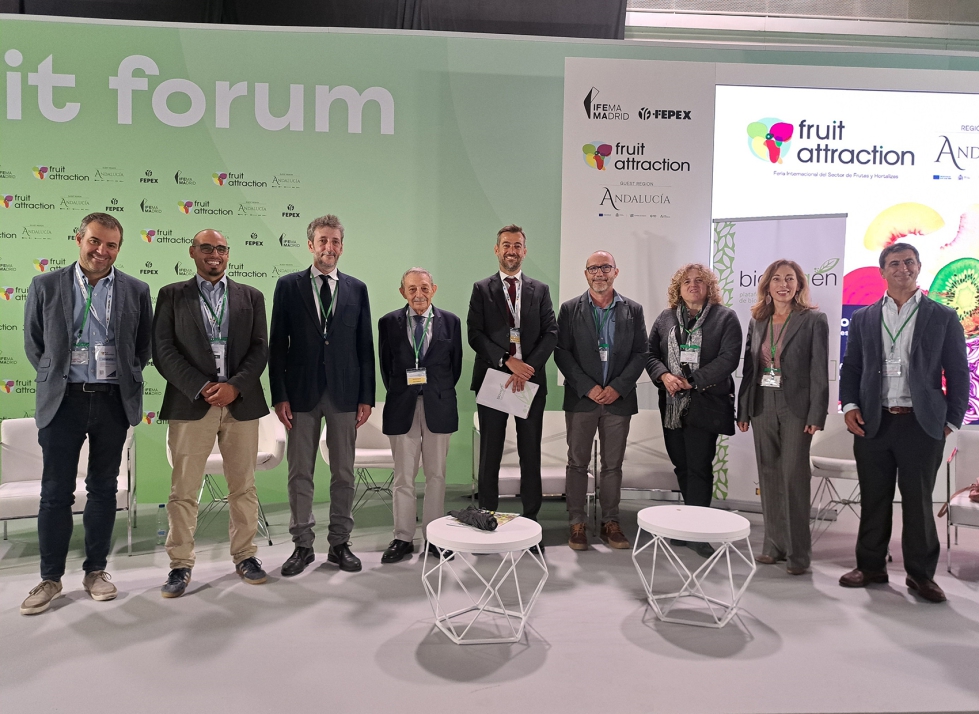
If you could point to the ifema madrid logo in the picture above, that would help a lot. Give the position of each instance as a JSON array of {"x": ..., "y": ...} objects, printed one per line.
[{"x": 769, "y": 139}]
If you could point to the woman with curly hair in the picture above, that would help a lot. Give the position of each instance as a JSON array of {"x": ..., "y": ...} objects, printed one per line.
[
  {"x": 785, "y": 394},
  {"x": 694, "y": 347}
]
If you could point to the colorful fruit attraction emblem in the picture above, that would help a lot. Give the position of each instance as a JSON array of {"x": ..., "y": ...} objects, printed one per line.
[{"x": 769, "y": 139}]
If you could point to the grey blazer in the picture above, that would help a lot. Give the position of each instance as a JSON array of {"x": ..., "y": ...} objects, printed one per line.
[
  {"x": 48, "y": 327},
  {"x": 182, "y": 351},
  {"x": 804, "y": 362},
  {"x": 576, "y": 354},
  {"x": 937, "y": 346}
]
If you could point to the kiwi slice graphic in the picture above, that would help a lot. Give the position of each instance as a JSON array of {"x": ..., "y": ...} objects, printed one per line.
[{"x": 957, "y": 285}]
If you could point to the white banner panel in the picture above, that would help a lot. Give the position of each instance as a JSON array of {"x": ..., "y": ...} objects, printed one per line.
[
  {"x": 636, "y": 171},
  {"x": 742, "y": 249}
]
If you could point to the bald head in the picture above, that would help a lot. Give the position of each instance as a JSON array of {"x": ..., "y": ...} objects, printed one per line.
[
  {"x": 210, "y": 253},
  {"x": 600, "y": 272}
]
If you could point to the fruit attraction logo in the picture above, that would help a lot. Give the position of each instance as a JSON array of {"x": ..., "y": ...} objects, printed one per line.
[
  {"x": 7, "y": 200},
  {"x": 40, "y": 172},
  {"x": 7, "y": 293},
  {"x": 219, "y": 178},
  {"x": 185, "y": 206},
  {"x": 148, "y": 417},
  {"x": 7, "y": 386},
  {"x": 147, "y": 235},
  {"x": 41, "y": 264},
  {"x": 769, "y": 139},
  {"x": 596, "y": 154}
]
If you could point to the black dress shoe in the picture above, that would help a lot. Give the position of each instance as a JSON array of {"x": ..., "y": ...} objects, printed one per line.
[
  {"x": 926, "y": 588},
  {"x": 341, "y": 555},
  {"x": 434, "y": 552},
  {"x": 397, "y": 550},
  {"x": 704, "y": 550},
  {"x": 857, "y": 578},
  {"x": 297, "y": 562}
]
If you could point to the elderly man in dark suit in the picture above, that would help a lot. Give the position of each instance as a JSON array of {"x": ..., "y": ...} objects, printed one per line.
[
  {"x": 87, "y": 333},
  {"x": 421, "y": 361},
  {"x": 512, "y": 329},
  {"x": 897, "y": 351},
  {"x": 601, "y": 351},
  {"x": 211, "y": 345},
  {"x": 321, "y": 366}
]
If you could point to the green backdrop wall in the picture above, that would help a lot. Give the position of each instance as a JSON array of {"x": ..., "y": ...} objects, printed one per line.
[{"x": 476, "y": 144}]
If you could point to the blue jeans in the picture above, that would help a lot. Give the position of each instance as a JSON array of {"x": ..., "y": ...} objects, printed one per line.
[{"x": 101, "y": 417}]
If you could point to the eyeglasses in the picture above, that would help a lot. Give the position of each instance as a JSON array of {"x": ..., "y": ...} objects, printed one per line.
[
  {"x": 593, "y": 269},
  {"x": 207, "y": 249}
]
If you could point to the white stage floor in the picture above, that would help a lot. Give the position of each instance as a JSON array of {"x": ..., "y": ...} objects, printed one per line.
[{"x": 364, "y": 642}]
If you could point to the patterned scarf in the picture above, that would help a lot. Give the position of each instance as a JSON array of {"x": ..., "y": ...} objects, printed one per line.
[{"x": 676, "y": 406}]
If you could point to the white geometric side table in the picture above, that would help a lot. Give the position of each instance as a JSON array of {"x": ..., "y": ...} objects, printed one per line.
[
  {"x": 696, "y": 524},
  {"x": 514, "y": 541}
]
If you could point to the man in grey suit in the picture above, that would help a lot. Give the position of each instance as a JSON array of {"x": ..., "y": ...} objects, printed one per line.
[
  {"x": 891, "y": 388},
  {"x": 210, "y": 343},
  {"x": 87, "y": 333},
  {"x": 601, "y": 351}
]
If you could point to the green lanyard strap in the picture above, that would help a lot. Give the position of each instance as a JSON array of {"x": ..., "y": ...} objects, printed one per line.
[
  {"x": 319, "y": 298},
  {"x": 888, "y": 330},
  {"x": 418, "y": 345},
  {"x": 88, "y": 307},
  {"x": 218, "y": 320},
  {"x": 772, "y": 342},
  {"x": 600, "y": 323}
]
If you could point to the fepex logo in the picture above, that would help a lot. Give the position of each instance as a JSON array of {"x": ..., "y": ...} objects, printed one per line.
[
  {"x": 147, "y": 235},
  {"x": 219, "y": 178},
  {"x": 41, "y": 264},
  {"x": 7, "y": 200},
  {"x": 40, "y": 172},
  {"x": 769, "y": 139},
  {"x": 596, "y": 154},
  {"x": 7, "y": 293},
  {"x": 185, "y": 206}
]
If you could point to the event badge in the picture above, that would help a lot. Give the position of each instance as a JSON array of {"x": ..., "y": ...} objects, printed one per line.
[
  {"x": 771, "y": 378},
  {"x": 79, "y": 353},
  {"x": 892, "y": 367},
  {"x": 515, "y": 340},
  {"x": 603, "y": 353},
  {"x": 690, "y": 354},
  {"x": 105, "y": 362},
  {"x": 219, "y": 348},
  {"x": 417, "y": 376}
]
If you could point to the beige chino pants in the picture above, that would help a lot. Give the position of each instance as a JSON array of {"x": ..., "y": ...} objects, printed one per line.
[{"x": 190, "y": 444}]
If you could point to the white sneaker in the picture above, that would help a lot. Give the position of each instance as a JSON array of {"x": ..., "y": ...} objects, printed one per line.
[
  {"x": 98, "y": 586},
  {"x": 40, "y": 597}
]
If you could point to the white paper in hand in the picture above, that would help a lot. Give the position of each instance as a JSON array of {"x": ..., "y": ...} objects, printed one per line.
[{"x": 495, "y": 395}]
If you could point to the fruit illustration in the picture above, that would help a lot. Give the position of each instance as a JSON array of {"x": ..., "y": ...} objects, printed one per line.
[
  {"x": 769, "y": 138},
  {"x": 863, "y": 286},
  {"x": 966, "y": 240},
  {"x": 904, "y": 219},
  {"x": 957, "y": 285},
  {"x": 595, "y": 156}
]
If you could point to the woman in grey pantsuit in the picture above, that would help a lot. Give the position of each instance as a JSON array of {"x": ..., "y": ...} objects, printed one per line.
[{"x": 785, "y": 393}]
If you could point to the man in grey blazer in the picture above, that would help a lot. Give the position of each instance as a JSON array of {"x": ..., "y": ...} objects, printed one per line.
[
  {"x": 210, "y": 343},
  {"x": 87, "y": 333},
  {"x": 601, "y": 351},
  {"x": 891, "y": 387}
]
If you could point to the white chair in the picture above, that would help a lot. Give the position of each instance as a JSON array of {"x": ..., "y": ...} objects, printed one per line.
[
  {"x": 373, "y": 451},
  {"x": 20, "y": 476},
  {"x": 646, "y": 466},
  {"x": 961, "y": 512},
  {"x": 271, "y": 450},
  {"x": 831, "y": 458},
  {"x": 554, "y": 459}
]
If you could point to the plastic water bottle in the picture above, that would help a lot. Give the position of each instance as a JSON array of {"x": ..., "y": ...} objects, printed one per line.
[{"x": 161, "y": 524}]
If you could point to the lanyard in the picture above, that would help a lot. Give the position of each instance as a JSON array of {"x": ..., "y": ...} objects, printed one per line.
[
  {"x": 772, "y": 342},
  {"x": 215, "y": 320},
  {"x": 515, "y": 311},
  {"x": 888, "y": 330},
  {"x": 600, "y": 324},
  {"x": 418, "y": 345},
  {"x": 88, "y": 289},
  {"x": 686, "y": 317},
  {"x": 319, "y": 298}
]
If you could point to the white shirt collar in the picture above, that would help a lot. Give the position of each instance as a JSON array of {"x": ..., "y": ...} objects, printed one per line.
[
  {"x": 916, "y": 299},
  {"x": 333, "y": 273},
  {"x": 518, "y": 276}
]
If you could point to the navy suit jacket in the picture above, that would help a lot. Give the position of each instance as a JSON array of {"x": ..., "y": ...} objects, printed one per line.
[
  {"x": 302, "y": 363},
  {"x": 182, "y": 350},
  {"x": 489, "y": 328},
  {"x": 937, "y": 346},
  {"x": 48, "y": 328},
  {"x": 443, "y": 362}
]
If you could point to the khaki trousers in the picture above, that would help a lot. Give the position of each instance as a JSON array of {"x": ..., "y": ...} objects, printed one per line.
[
  {"x": 190, "y": 444},
  {"x": 432, "y": 449}
]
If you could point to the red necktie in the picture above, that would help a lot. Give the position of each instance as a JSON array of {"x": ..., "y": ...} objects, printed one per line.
[{"x": 512, "y": 289}]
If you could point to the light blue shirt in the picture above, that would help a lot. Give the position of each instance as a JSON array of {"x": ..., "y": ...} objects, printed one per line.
[
  {"x": 214, "y": 295},
  {"x": 606, "y": 335},
  {"x": 96, "y": 331}
]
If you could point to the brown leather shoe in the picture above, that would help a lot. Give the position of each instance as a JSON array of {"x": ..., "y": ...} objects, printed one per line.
[
  {"x": 857, "y": 578},
  {"x": 613, "y": 536},
  {"x": 796, "y": 571},
  {"x": 928, "y": 589},
  {"x": 579, "y": 538},
  {"x": 767, "y": 559}
]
